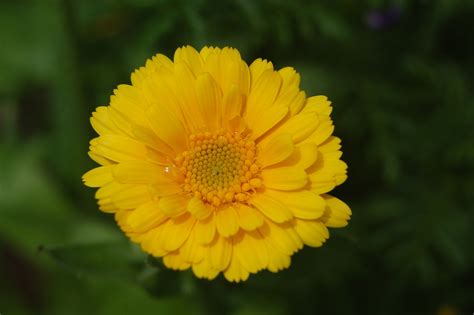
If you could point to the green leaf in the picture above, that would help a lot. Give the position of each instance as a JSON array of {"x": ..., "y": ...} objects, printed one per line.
[
  {"x": 117, "y": 259},
  {"x": 123, "y": 261}
]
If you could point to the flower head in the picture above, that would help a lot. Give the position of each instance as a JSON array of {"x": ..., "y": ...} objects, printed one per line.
[{"x": 218, "y": 166}]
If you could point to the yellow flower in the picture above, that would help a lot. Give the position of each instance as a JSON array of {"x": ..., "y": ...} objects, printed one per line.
[{"x": 218, "y": 166}]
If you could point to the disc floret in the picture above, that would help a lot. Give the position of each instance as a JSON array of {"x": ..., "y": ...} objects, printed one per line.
[{"x": 220, "y": 167}]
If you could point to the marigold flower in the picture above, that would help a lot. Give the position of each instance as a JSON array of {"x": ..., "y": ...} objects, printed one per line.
[{"x": 218, "y": 166}]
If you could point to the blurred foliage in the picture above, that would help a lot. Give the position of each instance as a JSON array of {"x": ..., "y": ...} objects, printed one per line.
[{"x": 400, "y": 76}]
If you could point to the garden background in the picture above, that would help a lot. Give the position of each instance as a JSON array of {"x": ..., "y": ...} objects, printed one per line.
[{"x": 400, "y": 75}]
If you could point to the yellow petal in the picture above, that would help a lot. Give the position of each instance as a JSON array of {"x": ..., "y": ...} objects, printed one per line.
[
  {"x": 212, "y": 65},
  {"x": 289, "y": 77},
  {"x": 151, "y": 241},
  {"x": 168, "y": 128},
  {"x": 308, "y": 154},
  {"x": 251, "y": 250},
  {"x": 191, "y": 251},
  {"x": 132, "y": 197},
  {"x": 236, "y": 272},
  {"x": 130, "y": 103},
  {"x": 235, "y": 71},
  {"x": 206, "y": 51},
  {"x": 284, "y": 178},
  {"x": 102, "y": 123},
  {"x": 98, "y": 176},
  {"x": 276, "y": 259},
  {"x": 174, "y": 205},
  {"x": 220, "y": 251},
  {"x": 232, "y": 104},
  {"x": 322, "y": 182},
  {"x": 330, "y": 160},
  {"x": 325, "y": 129},
  {"x": 276, "y": 150},
  {"x": 313, "y": 233},
  {"x": 121, "y": 217},
  {"x": 332, "y": 144},
  {"x": 159, "y": 188},
  {"x": 271, "y": 208},
  {"x": 303, "y": 204},
  {"x": 249, "y": 217},
  {"x": 142, "y": 172},
  {"x": 190, "y": 56},
  {"x": 283, "y": 237},
  {"x": 119, "y": 148},
  {"x": 327, "y": 172},
  {"x": 188, "y": 97},
  {"x": 198, "y": 209},
  {"x": 149, "y": 138},
  {"x": 160, "y": 90},
  {"x": 108, "y": 190},
  {"x": 301, "y": 126},
  {"x": 337, "y": 212},
  {"x": 261, "y": 98},
  {"x": 257, "y": 68},
  {"x": 99, "y": 159},
  {"x": 227, "y": 68},
  {"x": 159, "y": 61},
  {"x": 227, "y": 221},
  {"x": 319, "y": 104},
  {"x": 146, "y": 217},
  {"x": 340, "y": 178},
  {"x": 290, "y": 91},
  {"x": 106, "y": 205},
  {"x": 175, "y": 261},
  {"x": 209, "y": 97},
  {"x": 120, "y": 121},
  {"x": 297, "y": 103},
  {"x": 244, "y": 78},
  {"x": 175, "y": 232},
  {"x": 206, "y": 230},
  {"x": 105, "y": 193},
  {"x": 303, "y": 156},
  {"x": 204, "y": 269},
  {"x": 268, "y": 118},
  {"x": 139, "y": 76}
]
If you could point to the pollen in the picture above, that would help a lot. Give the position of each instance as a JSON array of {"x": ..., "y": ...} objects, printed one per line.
[{"x": 220, "y": 168}]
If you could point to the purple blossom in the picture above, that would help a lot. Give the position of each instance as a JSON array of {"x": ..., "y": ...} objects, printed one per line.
[{"x": 378, "y": 19}]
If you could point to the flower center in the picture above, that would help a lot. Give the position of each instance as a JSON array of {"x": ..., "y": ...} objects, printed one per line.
[{"x": 220, "y": 168}]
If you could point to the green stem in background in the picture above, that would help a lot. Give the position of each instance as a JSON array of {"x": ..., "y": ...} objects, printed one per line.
[
  {"x": 8, "y": 117},
  {"x": 69, "y": 117}
]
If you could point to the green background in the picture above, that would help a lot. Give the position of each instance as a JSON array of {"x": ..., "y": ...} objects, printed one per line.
[{"x": 400, "y": 75}]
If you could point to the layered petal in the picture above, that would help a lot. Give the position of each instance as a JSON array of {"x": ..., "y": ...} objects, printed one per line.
[
  {"x": 303, "y": 204},
  {"x": 312, "y": 232},
  {"x": 227, "y": 221},
  {"x": 249, "y": 218},
  {"x": 174, "y": 205},
  {"x": 251, "y": 251},
  {"x": 220, "y": 252},
  {"x": 284, "y": 178},
  {"x": 271, "y": 208},
  {"x": 206, "y": 230},
  {"x": 175, "y": 232},
  {"x": 145, "y": 217},
  {"x": 119, "y": 148},
  {"x": 337, "y": 212},
  {"x": 235, "y": 272},
  {"x": 99, "y": 176},
  {"x": 276, "y": 150}
]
